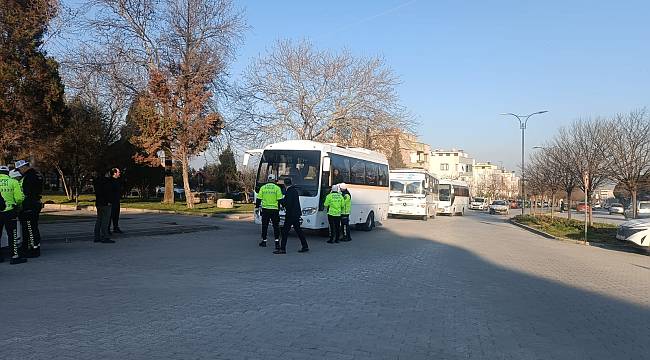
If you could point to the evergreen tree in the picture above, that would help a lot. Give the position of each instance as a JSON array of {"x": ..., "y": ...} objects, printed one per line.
[
  {"x": 227, "y": 175},
  {"x": 32, "y": 106}
]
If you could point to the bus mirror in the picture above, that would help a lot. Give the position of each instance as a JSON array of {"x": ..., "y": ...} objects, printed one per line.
[
  {"x": 326, "y": 163},
  {"x": 247, "y": 157}
]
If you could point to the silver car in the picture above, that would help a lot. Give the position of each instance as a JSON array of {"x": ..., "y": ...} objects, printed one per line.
[{"x": 499, "y": 207}]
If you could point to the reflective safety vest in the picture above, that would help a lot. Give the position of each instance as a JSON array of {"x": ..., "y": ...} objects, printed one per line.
[
  {"x": 347, "y": 204},
  {"x": 334, "y": 203},
  {"x": 270, "y": 194},
  {"x": 11, "y": 192}
]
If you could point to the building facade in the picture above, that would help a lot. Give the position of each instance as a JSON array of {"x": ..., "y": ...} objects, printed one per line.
[{"x": 452, "y": 164}]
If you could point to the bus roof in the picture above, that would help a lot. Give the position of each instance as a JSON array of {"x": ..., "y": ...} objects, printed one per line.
[
  {"x": 453, "y": 182},
  {"x": 410, "y": 170},
  {"x": 359, "y": 153}
]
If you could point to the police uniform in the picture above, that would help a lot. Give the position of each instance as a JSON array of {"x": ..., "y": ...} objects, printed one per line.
[
  {"x": 32, "y": 185},
  {"x": 270, "y": 195},
  {"x": 345, "y": 213},
  {"x": 13, "y": 196},
  {"x": 334, "y": 205}
]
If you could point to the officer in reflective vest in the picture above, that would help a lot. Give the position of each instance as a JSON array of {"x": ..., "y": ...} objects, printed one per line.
[
  {"x": 269, "y": 197},
  {"x": 345, "y": 212},
  {"x": 12, "y": 194},
  {"x": 334, "y": 205}
]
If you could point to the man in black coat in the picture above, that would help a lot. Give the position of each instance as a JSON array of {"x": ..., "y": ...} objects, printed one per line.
[
  {"x": 32, "y": 184},
  {"x": 103, "y": 204},
  {"x": 116, "y": 195},
  {"x": 293, "y": 212}
]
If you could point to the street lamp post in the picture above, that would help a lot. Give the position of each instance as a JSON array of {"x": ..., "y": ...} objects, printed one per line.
[{"x": 523, "y": 121}]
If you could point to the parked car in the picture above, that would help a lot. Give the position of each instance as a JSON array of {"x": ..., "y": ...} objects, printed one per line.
[
  {"x": 499, "y": 207},
  {"x": 478, "y": 203},
  {"x": 642, "y": 211},
  {"x": 582, "y": 207},
  {"x": 596, "y": 205},
  {"x": 616, "y": 208},
  {"x": 635, "y": 231}
]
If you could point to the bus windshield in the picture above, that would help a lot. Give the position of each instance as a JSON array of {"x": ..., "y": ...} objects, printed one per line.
[
  {"x": 407, "y": 187},
  {"x": 444, "y": 192},
  {"x": 302, "y": 166}
]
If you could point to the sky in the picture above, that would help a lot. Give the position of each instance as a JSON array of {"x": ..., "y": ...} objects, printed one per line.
[{"x": 462, "y": 63}]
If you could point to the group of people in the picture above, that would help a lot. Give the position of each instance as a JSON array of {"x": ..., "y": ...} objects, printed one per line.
[
  {"x": 20, "y": 199},
  {"x": 108, "y": 192},
  {"x": 271, "y": 197}
]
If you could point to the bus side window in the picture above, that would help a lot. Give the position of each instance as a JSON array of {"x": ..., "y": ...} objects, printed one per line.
[
  {"x": 357, "y": 172},
  {"x": 340, "y": 169},
  {"x": 383, "y": 175},
  {"x": 371, "y": 173}
]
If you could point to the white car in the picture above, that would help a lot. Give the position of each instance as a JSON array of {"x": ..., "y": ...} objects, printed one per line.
[
  {"x": 616, "y": 208},
  {"x": 636, "y": 231},
  {"x": 499, "y": 207},
  {"x": 478, "y": 203},
  {"x": 642, "y": 211}
]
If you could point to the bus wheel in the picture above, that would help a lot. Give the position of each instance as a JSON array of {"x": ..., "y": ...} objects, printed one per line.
[
  {"x": 370, "y": 222},
  {"x": 425, "y": 217}
]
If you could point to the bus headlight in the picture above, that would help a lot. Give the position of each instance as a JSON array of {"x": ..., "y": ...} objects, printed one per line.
[{"x": 309, "y": 211}]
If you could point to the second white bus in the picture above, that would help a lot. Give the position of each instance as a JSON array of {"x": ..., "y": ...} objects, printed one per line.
[
  {"x": 413, "y": 192},
  {"x": 453, "y": 197},
  {"x": 314, "y": 167}
]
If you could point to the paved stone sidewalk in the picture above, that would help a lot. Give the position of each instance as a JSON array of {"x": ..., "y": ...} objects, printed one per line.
[{"x": 451, "y": 288}]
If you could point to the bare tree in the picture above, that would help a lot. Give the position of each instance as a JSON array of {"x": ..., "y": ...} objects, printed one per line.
[
  {"x": 628, "y": 154},
  {"x": 581, "y": 143},
  {"x": 176, "y": 50},
  {"x": 561, "y": 167},
  {"x": 298, "y": 91}
]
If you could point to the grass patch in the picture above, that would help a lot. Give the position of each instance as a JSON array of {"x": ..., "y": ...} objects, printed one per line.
[
  {"x": 154, "y": 204},
  {"x": 570, "y": 229}
]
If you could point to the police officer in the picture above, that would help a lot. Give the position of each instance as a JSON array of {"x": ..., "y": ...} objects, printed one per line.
[
  {"x": 345, "y": 212},
  {"x": 291, "y": 203},
  {"x": 334, "y": 205},
  {"x": 269, "y": 196},
  {"x": 32, "y": 184},
  {"x": 13, "y": 196}
]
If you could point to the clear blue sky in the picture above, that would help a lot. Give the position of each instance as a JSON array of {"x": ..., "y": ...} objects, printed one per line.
[{"x": 464, "y": 62}]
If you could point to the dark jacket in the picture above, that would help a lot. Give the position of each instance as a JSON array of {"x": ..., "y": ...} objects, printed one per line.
[
  {"x": 291, "y": 203},
  {"x": 103, "y": 191},
  {"x": 116, "y": 190},
  {"x": 32, "y": 188},
  {"x": 3, "y": 205}
]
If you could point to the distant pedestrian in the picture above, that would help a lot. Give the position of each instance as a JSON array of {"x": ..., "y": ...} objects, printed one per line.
[
  {"x": 561, "y": 205},
  {"x": 334, "y": 204},
  {"x": 345, "y": 212},
  {"x": 103, "y": 204},
  {"x": 32, "y": 184},
  {"x": 293, "y": 212},
  {"x": 13, "y": 197},
  {"x": 269, "y": 197},
  {"x": 116, "y": 196}
]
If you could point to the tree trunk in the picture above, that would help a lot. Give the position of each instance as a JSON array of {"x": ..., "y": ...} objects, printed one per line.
[
  {"x": 169, "y": 179},
  {"x": 189, "y": 201},
  {"x": 552, "y": 203},
  {"x": 634, "y": 193},
  {"x": 65, "y": 183},
  {"x": 568, "y": 197}
]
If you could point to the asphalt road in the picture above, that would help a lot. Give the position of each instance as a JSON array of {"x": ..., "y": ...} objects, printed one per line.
[{"x": 472, "y": 287}]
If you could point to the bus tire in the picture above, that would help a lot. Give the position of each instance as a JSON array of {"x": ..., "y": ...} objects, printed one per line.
[
  {"x": 425, "y": 217},
  {"x": 370, "y": 222}
]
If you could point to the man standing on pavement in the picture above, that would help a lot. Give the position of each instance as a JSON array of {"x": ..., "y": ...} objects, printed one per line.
[
  {"x": 293, "y": 212},
  {"x": 32, "y": 184},
  {"x": 334, "y": 205},
  {"x": 103, "y": 204},
  {"x": 116, "y": 195},
  {"x": 13, "y": 197},
  {"x": 270, "y": 195},
  {"x": 345, "y": 212}
]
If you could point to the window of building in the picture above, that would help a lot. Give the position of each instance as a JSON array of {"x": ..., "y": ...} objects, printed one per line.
[{"x": 444, "y": 167}]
